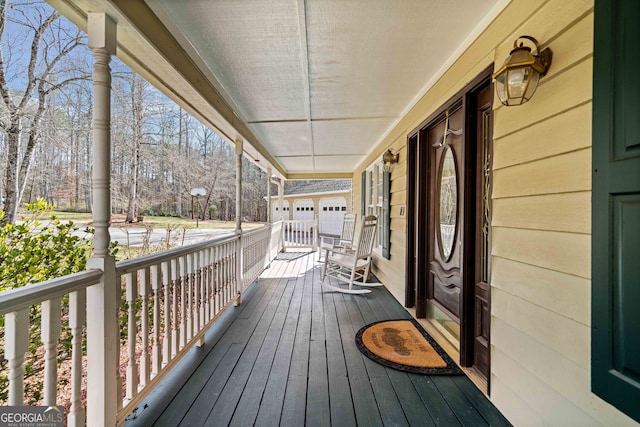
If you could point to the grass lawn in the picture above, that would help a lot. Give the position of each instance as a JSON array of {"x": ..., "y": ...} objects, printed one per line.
[{"x": 155, "y": 221}]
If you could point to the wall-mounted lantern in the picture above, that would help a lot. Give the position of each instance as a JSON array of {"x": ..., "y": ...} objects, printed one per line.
[
  {"x": 389, "y": 160},
  {"x": 517, "y": 79}
]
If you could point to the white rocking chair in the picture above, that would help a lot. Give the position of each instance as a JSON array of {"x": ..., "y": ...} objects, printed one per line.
[
  {"x": 345, "y": 240},
  {"x": 351, "y": 263}
]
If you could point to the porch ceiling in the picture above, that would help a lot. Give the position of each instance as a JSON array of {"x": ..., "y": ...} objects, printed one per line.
[{"x": 312, "y": 85}]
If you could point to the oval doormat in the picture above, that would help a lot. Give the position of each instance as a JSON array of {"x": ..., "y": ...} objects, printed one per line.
[{"x": 404, "y": 345}]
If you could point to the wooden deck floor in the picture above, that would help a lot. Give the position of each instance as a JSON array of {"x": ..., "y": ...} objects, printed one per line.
[{"x": 287, "y": 356}]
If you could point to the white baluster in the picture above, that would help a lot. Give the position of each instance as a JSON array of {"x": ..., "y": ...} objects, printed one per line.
[
  {"x": 301, "y": 233},
  {"x": 175, "y": 325},
  {"x": 197, "y": 264},
  {"x": 144, "y": 288},
  {"x": 203, "y": 289},
  {"x": 77, "y": 316},
  {"x": 16, "y": 330},
  {"x": 196, "y": 293},
  {"x": 213, "y": 280},
  {"x": 233, "y": 253},
  {"x": 226, "y": 265},
  {"x": 184, "y": 284},
  {"x": 205, "y": 282},
  {"x": 132, "y": 335},
  {"x": 238, "y": 276},
  {"x": 156, "y": 349},
  {"x": 211, "y": 283},
  {"x": 211, "y": 257},
  {"x": 119, "y": 379},
  {"x": 50, "y": 333},
  {"x": 191, "y": 291},
  {"x": 234, "y": 276},
  {"x": 222, "y": 265},
  {"x": 216, "y": 276},
  {"x": 166, "y": 280}
]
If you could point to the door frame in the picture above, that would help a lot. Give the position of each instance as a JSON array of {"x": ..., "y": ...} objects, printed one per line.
[
  {"x": 472, "y": 199},
  {"x": 417, "y": 211}
]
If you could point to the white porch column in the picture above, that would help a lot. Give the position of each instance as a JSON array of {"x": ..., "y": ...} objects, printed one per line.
[
  {"x": 280, "y": 209},
  {"x": 238, "y": 185},
  {"x": 238, "y": 230},
  {"x": 102, "y": 299},
  {"x": 269, "y": 216},
  {"x": 281, "y": 199}
]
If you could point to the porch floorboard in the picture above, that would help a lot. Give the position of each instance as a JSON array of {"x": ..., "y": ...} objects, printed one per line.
[{"x": 287, "y": 356}]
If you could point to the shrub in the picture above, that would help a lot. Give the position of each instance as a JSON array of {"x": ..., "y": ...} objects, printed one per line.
[{"x": 32, "y": 251}]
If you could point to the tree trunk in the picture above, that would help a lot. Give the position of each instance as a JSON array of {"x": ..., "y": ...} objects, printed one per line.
[
  {"x": 39, "y": 74},
  {"x": 133, "y": 184},
  {"x": 179, "y": 178},
  {"x": 13, "y": 165},
  {"x": 137, "y": 100}
]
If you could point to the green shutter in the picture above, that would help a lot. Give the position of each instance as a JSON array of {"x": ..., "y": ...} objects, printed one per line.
[
  {"x": 615, "y": 346},
  {"x": 386, "y": 215}
]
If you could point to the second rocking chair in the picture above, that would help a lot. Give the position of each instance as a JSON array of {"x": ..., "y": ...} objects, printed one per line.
[{"x": 350, "y": 264}]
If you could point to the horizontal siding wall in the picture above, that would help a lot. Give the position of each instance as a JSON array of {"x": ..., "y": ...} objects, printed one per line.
[
  {"x": 541, "y": 224},
  {"x": 541, "y": 288}
]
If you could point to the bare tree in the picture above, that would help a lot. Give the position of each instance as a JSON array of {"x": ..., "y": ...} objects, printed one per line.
[
  {"x": 27, "y": 82},
  {"x": 137, "y": 87},
  {"x": 159, "y": 152}
]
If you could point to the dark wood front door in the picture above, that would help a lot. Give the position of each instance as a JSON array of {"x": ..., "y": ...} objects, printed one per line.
[
  {"x": 446, "y": 209},
  {"x": 449, "y": 217}
]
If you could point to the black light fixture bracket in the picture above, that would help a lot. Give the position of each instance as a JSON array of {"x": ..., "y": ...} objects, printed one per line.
[{"x": 542, "y": 57}]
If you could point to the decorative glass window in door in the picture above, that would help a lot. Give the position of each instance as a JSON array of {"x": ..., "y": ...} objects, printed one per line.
[{"x": 448, "y": 202}]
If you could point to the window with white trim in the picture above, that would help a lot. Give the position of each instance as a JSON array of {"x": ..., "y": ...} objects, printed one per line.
[{"x": 374, "y": 200}]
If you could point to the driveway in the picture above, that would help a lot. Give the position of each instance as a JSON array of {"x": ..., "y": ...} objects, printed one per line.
[{"x": 134, "y": 236}]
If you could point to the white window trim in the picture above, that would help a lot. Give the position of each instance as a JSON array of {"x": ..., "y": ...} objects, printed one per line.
[{"x": 374, "y": 199}]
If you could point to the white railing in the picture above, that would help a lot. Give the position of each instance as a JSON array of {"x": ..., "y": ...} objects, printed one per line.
[
  {"x": 300, "y": 234},
  {"x": 171, "y": 298},
  {"x": 18, "y": 305},
  {"x": 168, "y": 301},
  {"x": 255, "y": 252}
]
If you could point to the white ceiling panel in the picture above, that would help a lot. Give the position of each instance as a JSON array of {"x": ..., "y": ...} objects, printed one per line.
[
  {"x": 354, "y": 137},
  {"x": 321, "y": 82},
  {"x": 285, "y": 138},
  {"x": 335, "y": 163},
  {"x": 371, "y": 58},
  {"x": 297, "y": 164},
  {"x": 255, "y": 50}
]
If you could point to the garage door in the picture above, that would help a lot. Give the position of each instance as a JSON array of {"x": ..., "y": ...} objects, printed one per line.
[
  {"x": 303, "y": 209},
  {"x": 332, "y": 212},
  {"x": 285, "y": 210}
]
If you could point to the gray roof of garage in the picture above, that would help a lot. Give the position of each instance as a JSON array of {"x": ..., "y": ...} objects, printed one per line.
[{"x": 296, "y": 188}]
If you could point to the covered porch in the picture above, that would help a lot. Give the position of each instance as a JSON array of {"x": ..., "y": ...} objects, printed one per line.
[
  {"x": 283, "y": 349},
  {"x": 324, "y": 89},
  {"x": 287, "y": 356}
]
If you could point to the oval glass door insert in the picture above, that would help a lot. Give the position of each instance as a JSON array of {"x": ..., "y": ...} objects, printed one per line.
[{"x": 448, "y": 202}]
